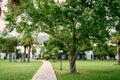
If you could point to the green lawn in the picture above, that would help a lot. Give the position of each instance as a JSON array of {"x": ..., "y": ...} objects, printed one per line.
[
  {"x": 89, "y": 70},
  {"x": 17, "y": 70}
]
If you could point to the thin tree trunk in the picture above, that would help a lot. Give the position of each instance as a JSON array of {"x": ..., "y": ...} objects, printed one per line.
[
  {"x": 10, "y": 57},
  {"x": 29, "y": 54},
  {"x": 15, "y": 55},
  {"x": 24, "y": 55},
  {"x": 118, "y": 55},
  {"x": 5, "y": 55},
  {"x": 14, "y": 5}
]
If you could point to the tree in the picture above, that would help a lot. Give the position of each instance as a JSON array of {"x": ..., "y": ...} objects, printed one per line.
[
  {"x": 101, "y": 51},
  {"x": 3, "y": 46},
  {"x": 27, "y": 41},
  {"x": 73, "y": 26},
  {"x": 24, "y": 27},
  {"x": 52, "y": 45},
  {"x": 118, "y": 50},
  {"x": 115, "y": 12},
  {"x": 74, "y": 23},
  {"x": 8, "y": 45},
  {"x": 116, "y": 41},
  {"x": 15, "y": 43}
]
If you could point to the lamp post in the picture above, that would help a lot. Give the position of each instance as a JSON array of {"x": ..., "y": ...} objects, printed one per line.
[{"x": 60, "y": 51}]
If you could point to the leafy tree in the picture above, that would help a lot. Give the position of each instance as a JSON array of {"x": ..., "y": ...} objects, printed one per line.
[
  {"x": 73, "y": 26},
  {"x": 116, "y": 41},
  {"x": 101, "y": 50},
  {"x": 3, "y": 46},
  {"x": 8, "y": 45},
  {"x": 27, "y": 41},
  {"x": 52, "y": 45},
  {"x": 24, "y": 27},
  {"x": 15, "y": 41}
]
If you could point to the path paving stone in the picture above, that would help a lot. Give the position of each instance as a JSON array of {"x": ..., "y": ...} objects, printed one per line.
[{"x": 45, "y": 72}]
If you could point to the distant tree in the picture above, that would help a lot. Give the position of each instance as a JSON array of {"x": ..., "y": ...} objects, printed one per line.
[
  {"x": 8, "y": 45},
  {"x": 27, "y": 41},
  {"x": 52, "y": 45},
  {"x": 101, "y": 51},
  {"x": 116, "y": 41},
  {"x": 15, "y": 42},
  {"x": 3, "y": 46}
]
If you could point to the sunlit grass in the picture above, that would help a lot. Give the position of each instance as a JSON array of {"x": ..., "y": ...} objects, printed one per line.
[
  {"x": 89, "y": 70},
  {"x": 17, "y": 70}
]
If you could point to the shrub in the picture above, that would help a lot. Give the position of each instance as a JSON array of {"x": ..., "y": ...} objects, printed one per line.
[{"x": 47, "y": 56}]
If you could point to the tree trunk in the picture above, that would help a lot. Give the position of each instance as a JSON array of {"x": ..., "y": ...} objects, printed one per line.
[
  {"x": 73, "y": 54},
  {"x": 5, "y": 55},
  {"x": 24, "y": 55},
  {"x": 14, "y": 5},
  {"x": 72, "y": 65},
  {"x": 0, "y": 7},
  {"x": 28, "y": 57},
  {"x": 15, "y": 55},
  {"x": 10, "y": 57},
  {"x": 118, "y": 55}
]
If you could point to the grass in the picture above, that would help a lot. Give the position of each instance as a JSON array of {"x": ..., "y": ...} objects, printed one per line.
[
  {"x": 89, "y": 70},
  {"x": 17, "y": 70}
]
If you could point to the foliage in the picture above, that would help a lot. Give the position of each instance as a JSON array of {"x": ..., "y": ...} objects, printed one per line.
[
  {"x": 101, "y": 50},
  {"x": 33, "y": 51},
  {"x": 19, "y": 54},
  {"x": 52, "y": 46},
  {"x": 7, "y": 44},
  {"x": 47, "y": 56},
  {"x": 27, "y": 39}
]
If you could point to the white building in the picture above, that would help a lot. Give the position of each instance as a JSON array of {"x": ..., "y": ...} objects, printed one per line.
[
  {"x": 89, "y": 55},
  {"x": 2, "y": 55}
]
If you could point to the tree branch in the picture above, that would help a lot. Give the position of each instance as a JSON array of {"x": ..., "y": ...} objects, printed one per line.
[{"x": 55, "y": 36}]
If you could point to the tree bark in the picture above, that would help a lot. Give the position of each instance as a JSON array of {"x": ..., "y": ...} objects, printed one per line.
[
  {"x": 10, "y": 57},
  {"x": 28, "y": 57},
  {"x": 118, "y": 55},
  {"x": 14, "y": 5},
  {"x": 15, "y": 55},
  {"x": 24, "y": 55},
  {"x": 6, "y": 55},
  {"x": 72, "y": 65},
  {"x": 73, "y": 54}
]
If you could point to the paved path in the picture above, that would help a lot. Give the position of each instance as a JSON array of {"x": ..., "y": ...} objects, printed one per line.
[{"x": 45, "y": 72}]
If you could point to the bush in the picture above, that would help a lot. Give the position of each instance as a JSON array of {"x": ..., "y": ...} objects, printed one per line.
[{"x": 47, "y": 56}]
